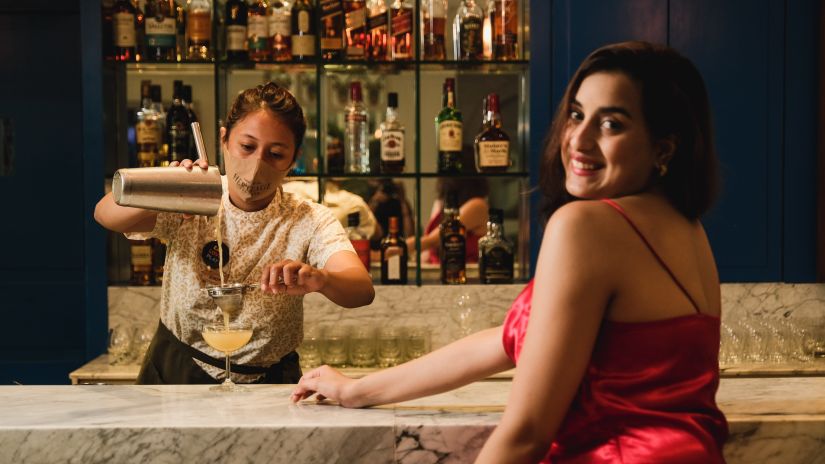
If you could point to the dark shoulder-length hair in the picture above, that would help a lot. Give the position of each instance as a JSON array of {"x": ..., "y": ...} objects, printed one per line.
[{"x": 674, "y": 104}]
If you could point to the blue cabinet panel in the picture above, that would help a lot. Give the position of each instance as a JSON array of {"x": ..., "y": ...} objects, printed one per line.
[{"x": 737, "y": 46}]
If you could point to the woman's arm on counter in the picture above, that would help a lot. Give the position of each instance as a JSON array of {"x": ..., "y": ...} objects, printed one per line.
[{"x": 464, "y": 361}]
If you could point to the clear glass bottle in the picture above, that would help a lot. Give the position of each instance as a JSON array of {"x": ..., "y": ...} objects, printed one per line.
[
  {"x": 236, "y": 18},
  {"x": 356, "y": 132},
  {"x": 433, "y": 25},
  {"x": 467, "y": 31},
  {"x": 257, "y": 30},
  {"x": 505, "y": 30},
  {"x": 161, "y": 31},
  {"x": 147, "y": 130},
  {"x": 394, "y": 256},
  {"x": 199, "y": 30},
  {"x": 495, "y": 252},
  {"x": 124, "y": 30},
  {"x": 355, "y": 29},
  {"x": 378, "y": 30},
  {"x": 280, "y": 30},
  {"x": 453, "y": 236},
  {"x": 402, "y": 46},
  {"x": 331, "y": 13},
  {"x": 448, "y": 132},
  {"x": 392, "y": 139},
  {"x": 178, "y": 130},
  {"x": 492, "y": 144},
  {"x": 359, "y": 241},
  {"x": 303, "y": 31}
]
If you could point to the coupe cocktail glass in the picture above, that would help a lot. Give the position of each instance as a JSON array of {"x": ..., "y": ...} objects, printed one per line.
[{"x": 227, "y": 338}]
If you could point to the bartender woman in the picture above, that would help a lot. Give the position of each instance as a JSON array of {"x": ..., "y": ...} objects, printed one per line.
[{"x": 286, "y": 245}]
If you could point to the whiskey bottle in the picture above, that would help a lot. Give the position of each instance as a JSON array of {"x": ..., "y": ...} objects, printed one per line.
[
  {"x": 356, "y": 132},
  {"x": 378, "y": 34},
  {"x": 199, "y": 30},
  {"x": 505, "y": 30},
  {"x": 401, "y": 31},
  {"x": 303, "y": 31},
  {"x": 161, "y": 32},
  {"x": 359, "y": 241},
  {"x": 467, "y": 31},
  {"x": 448, "y": 128},
  {"x": 236, "y": 21},
  {"x": 495, "y": 253},
  {"x": 394, "y": 256},
  {"x": 355, "y": 30},
  {"x": 331, "y": 29},
  {"x": 124, "y": 31},
  {"x": 492, "y": 145},
  {"x": 452, "y": 252},
  {"x": 178, "y": 131},
  {"x": 257, "y": 32},
  {"x": 280, "y": 30},
  {"x": 147, "y": 129},
  {"x": 392, "y": 139},
  {"x": 141, "y": 261},
  {"x": 434, "y": 20}
]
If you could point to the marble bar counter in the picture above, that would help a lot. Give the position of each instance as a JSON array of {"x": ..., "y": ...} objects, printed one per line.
[{"x": 772, "y": 420}]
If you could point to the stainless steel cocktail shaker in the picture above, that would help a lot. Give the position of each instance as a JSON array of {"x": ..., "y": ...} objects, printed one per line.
[{"x": 169, "y": 189}]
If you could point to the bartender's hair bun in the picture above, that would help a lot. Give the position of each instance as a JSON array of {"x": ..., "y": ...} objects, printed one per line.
[{"x": 274, "y": 98}]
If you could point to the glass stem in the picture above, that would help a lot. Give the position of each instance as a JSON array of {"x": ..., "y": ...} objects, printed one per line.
[{"x": 228, "y": 372}]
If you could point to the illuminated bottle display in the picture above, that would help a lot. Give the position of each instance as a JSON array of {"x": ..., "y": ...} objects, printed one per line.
[
  {"x": 331, "y": 32},
  {"x": 378, "y": 30},
  {"x": 199, "y": 30},
  {"x": 355, "y": 30},
  {"x": 257, "y": 31},
  {"x": 303, "y": 31},
  {"x": 280, "y": 30},
  {"x": 449, "y": 132},
  {"x": 402, "y": 44},
  {"x": 161, "y": 30}
]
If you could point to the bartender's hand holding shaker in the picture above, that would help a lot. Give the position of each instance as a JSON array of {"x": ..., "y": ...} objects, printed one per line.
[{"x": 189, "y": 164}]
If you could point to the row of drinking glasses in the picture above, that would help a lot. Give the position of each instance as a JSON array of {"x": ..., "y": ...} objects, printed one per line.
[
  {"x": 363, "y": 345},
  {"x": 128, "y": 345},
  {"x": 769, "y": 341}
]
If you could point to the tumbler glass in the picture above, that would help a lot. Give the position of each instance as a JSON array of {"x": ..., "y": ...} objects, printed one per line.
[{"x": 389, "y": 346}]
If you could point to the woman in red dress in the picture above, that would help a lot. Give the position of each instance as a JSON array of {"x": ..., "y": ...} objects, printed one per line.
[{"x": 618, "y": 362}]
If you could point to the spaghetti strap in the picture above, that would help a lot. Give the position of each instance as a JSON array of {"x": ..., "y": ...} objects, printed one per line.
[{"x": 621, "y": 211}]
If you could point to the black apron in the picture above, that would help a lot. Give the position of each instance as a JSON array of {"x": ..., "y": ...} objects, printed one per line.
[{"x": 170, "y": 361}]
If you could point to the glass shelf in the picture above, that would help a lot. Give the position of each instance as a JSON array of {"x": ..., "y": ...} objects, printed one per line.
[{"x": 413, "y": 175}]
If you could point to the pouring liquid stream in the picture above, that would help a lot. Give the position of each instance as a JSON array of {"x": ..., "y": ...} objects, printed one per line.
[{"x": 220, "y": 260}]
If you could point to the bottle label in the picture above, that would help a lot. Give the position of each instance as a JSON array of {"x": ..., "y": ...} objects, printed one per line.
[
  {"x": 362, "y": 249},
  {"x": 141, "y": 255},
  {"x": 471, "y": 44},
  {"x": 393, "y": 262},
  {"x": 256, "y": 32},
  {"x": 147, "y": 132},
  {"x": 494, "y": 153},
  {"x": 303, "y": 45},
  {"x": 377, "y": 21},
  {"x": 332, "y": 43},
  {"x": 453, "y": 252},
  {"x": 401, "y": 22},
  {"x": 199, "y": 26},
  {"x": 303, "y": 21},
  {"x": 449, "y": 135},
  {"x": 280, "y": 24},
  {"x": 496, "y": 266},
  {"x": 356, "y": 117},
  {"x": 160, "y": 33},
  {"x": 392, "y": 145},
  {"x": 356, "y": 19},
  {"x": 235, "y": 37},
  {"x": 124, "y": 25}
]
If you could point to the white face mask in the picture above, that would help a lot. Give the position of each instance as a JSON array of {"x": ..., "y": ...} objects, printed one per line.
[{"x": 254, "y": 179}]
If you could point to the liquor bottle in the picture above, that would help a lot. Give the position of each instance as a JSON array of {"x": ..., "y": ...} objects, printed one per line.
[
  {"x": 187, "y": 103},
  {"x": 140, "y": 33},
  {"x": 378, "y": 34},
  {"x": 495, "y": 253},
  {"x": 147, "y": 129},
  {"x": 158, "y": 260},
  {"x": 355, "y": 29},
  {"x": 452, "y": 252},
  {"x": 331, "y": 30},
  {"x": 160, "y": 30},
  {"x": 123, "y": 26},
  {"x": 492, "y": 145},
  {"x": 434, "y": 20},
  {"x": 257, "y": 30},
  {"x": 394, "y": 256},
  {"x": 178, "y": 131},
  {"x": 141, "y": 261},
  {"x": 505, "y": 30},
  {"x": 401, "y": 31},
  {"x": 303, "y": 31},
  {"x": 448, "y": 132},
  {"x": 356, "y": 132},
  {"x": 392, "y": 139},
  {"x": 199, "y": 30},
  {"x": 107, "y": 28},
  {"x": 359, "y": 241},
  {"x": 236, "y": 21},
  {"x": 280, "y": 30},
  {"x": 467, "y": 29}
]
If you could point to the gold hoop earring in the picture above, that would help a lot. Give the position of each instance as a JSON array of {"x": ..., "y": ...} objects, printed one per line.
[{"x": 662, "y": 170}]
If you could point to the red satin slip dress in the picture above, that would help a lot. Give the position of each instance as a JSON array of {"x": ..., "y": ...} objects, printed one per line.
[{"x": 648, "y": 394}]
